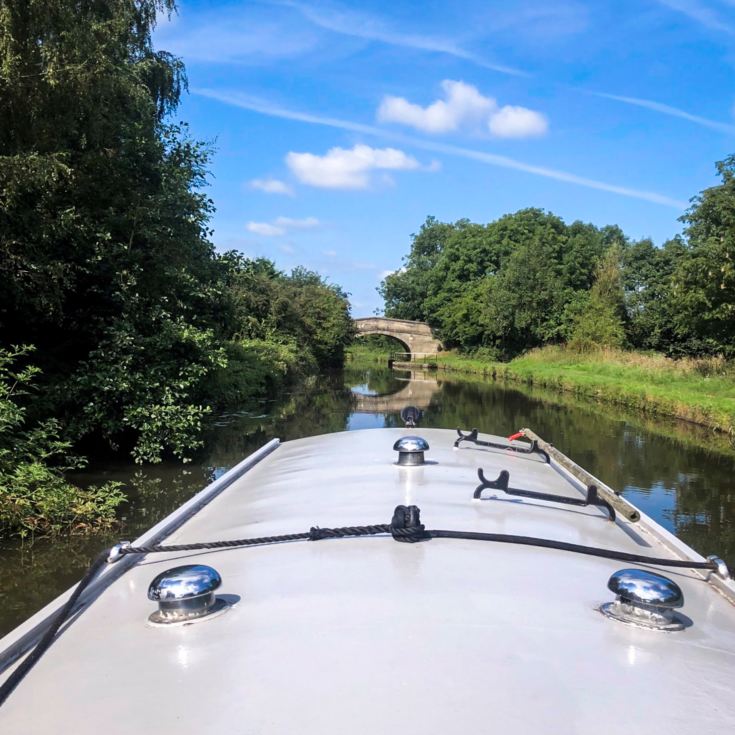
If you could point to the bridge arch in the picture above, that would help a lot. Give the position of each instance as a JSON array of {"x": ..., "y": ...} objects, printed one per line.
[
  {"x": 416, "y": 336},
  {"x": 400, "y": 344}
]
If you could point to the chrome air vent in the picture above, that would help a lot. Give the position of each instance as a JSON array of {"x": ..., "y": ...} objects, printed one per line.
[
  {"x": 411, "y": 450},
  {"x": 185, "y": 594},
  {"x": 645, "y": 599}
]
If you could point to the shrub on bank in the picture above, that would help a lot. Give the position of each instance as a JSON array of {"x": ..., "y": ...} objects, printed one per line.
[
  {"x": 257, "y": 368},
  {"x": 35, "y": 499}
]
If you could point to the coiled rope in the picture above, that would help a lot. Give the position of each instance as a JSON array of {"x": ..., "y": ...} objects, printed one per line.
[{"x": 405, "y": 527}]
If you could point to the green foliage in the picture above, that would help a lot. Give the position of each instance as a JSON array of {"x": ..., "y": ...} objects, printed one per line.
[
  {"x": 119, "y": 388},
  {"x": 257, "y": 368},
  {"x": 301, "y": 308},
  {"x": 528, "y": 280},
  {"x": 405, "y": 290},
  {"x": 105, "y": 251},
  {"x": 103, "y": 229},
  {"x": 599, "y": 321},
  {"x": 502, "y": 286},
  {"x": 704, "y": 280},
  {"x": 34, "y": 497},
  {"x": 377, "y": 344},
  {"x": 317, "y": 314},
  {"x": 647, "y": 281}
]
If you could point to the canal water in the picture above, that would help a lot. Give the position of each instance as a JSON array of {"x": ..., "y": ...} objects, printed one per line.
[{"x": 680, "y": 474}]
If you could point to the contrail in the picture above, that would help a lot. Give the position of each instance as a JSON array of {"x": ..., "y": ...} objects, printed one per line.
[
  {"x": 359, "y": 26},
  {"x": 669, "y": 110},
  {"x": 267, "y": 108},
  {"x": 372, "y": 29}
]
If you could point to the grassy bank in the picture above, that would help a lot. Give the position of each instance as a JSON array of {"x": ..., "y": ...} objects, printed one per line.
[
  {"x": 361, "y": 351},
  {"x": 700, "y": 391}
]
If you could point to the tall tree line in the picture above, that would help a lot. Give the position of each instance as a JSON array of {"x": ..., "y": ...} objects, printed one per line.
[
  {"x": 529, "y": 279},
  {"x": 107, "y": 265}
]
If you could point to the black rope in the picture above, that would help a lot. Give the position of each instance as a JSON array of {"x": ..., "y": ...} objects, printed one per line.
[
  {"x": 211, "y": 545},
  {"x": 314, "y": 534},
  {"x": 507, "y": 538},
  {"x": 405, "y": 527}
]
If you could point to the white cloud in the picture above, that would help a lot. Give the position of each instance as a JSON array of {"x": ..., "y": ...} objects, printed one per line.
[
  {"x": 517, "y": 122},
  {"x": 347, "y": 168},
  {"x": 281, "y": 225},
  {"x": 264, "y": 228},
  {"x": 271, "y": 186},
  {"x": 330, "y": 253},
  {"x": 491, "y": 159},
  {"x": 463, "y": 104},
  {"x": 288, "y": 223}
]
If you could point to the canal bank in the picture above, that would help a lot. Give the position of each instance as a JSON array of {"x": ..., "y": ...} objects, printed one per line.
[{"x": 698, "y": 391}]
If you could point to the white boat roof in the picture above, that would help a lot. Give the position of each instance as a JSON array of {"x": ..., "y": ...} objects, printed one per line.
[{"x": 367, "y": 635}]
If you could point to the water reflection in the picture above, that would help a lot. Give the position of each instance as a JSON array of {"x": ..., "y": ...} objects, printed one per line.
[
  {"x": 675, "y": 472},
  {"x": 387, "y": 394}
]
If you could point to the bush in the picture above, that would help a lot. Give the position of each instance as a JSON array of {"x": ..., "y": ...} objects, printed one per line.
[
  {"x": 34, "y": 496},
  {"x": 257, "y": 368}
]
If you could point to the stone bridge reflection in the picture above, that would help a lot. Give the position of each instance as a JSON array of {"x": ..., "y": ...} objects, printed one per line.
[{"x": 418, "y": 389}]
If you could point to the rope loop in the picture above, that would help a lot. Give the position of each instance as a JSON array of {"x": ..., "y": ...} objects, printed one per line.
[{"x": 406, "y": 525}]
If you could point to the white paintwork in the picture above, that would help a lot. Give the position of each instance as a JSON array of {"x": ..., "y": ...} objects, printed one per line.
[
  {"x": 372, "y": 636},
  {"x": 27, "y": 634}
]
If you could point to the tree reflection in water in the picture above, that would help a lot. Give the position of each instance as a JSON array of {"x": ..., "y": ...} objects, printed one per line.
[{"x": 678, "y": 473}]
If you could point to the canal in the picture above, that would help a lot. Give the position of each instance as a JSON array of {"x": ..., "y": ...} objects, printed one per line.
[{"x": 680, "y": 474}]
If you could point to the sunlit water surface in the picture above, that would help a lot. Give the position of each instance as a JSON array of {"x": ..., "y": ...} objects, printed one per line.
[{"x": 677, "y": 473}]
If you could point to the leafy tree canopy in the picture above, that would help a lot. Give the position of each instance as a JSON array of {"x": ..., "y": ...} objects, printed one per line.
[
  {"x": 105, "y": 247},
  {"x": 529, "y": 279}
]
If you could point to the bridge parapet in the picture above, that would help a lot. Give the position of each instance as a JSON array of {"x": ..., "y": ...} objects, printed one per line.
[{"x": 416, "y": 336}]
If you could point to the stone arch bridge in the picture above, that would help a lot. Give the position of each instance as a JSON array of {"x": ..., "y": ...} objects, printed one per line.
[{"x": 416, "y": 336}]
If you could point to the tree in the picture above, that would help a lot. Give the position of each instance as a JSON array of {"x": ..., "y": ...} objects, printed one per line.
[
  {"x": 704, "y": 280},
  {"x": 405, "y": 290},
  {"x": 599, "y": 321},
  {"x": 103, "y": 227},
  {"x": 647, "y": 279},
  {"x": 506, "y": 286},
  {"x": 301, "y": 309},
  {"x": 527, "y": 298}
]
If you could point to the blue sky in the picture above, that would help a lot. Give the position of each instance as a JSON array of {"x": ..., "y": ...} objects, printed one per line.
[{"x": 338, "y": 127}]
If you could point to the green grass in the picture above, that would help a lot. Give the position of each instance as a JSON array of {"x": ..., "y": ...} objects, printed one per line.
[
  {"x": 700, "y": 391},
  {"x": 357, "y": 352}
]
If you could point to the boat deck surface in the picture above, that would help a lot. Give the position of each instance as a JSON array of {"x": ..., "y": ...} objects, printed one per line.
[{"x": 367, "y": 635}]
